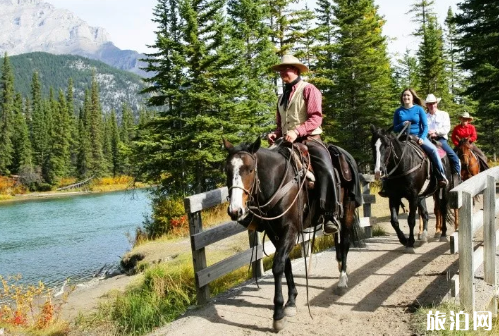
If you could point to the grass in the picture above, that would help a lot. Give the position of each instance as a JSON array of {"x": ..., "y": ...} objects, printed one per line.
[{"x": 420, "y": 319}]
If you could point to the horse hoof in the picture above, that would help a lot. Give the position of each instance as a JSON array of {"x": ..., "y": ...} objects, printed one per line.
[
  {"x": 340, "y": 290},
  {"x": 410, "y": 250},
  {"x": 424, "y": 237},
  {"x": 279, "y": 324},
  {"x": 444, "y": 239},
  {"x": 290, "y": 311},
  {"x": 437, "y": 235},
  {"x": 419, "y": 237}
]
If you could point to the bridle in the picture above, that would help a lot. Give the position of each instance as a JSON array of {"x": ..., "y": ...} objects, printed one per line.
[
  {"x": 253, "y": 205},
  {"x": 254, "y": 184},
  {"x": 467, "y": 159},
  {"x": 396, "y": 159}
]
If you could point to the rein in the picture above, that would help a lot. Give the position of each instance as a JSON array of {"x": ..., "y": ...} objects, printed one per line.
[
  {"x": 392, "y": 149},
  {"x": 281, "y": 191}
]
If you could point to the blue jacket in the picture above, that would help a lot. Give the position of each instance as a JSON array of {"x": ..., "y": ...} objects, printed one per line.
[{"x": 416, "y": 115}]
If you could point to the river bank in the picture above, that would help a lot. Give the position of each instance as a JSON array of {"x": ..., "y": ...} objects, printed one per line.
[{"x": 55, "y": 194}]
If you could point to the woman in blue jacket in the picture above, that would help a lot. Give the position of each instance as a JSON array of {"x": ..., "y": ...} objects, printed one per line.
[{"x": 411, "y": 111}]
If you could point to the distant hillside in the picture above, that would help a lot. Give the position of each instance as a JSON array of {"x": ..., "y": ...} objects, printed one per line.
[
  {"x": 116, "y": 86},
  {"x": 37, "y": 26}
]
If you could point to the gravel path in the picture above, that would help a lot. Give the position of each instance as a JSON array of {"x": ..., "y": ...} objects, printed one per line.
[{"x": 385, "y": 286}]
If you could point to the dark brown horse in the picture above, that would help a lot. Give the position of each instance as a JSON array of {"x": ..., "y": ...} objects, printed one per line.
[
  {"x": 406, "y": 170},
  {"x": 269, "y": 193}
]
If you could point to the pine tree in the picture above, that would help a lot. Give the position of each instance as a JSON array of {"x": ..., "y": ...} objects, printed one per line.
[
  {"x": 39, "y": 131},
  {"x": 407, "y": 72},
  {"x": 114, "y": 135},
  {"x": 21, "y": 143},
  {"x": 83, "y": 167},
  {"x": 362, "y": 93},
  {"x": 254, "y": 109},
  {"x": 477, "y": 26},
  {"x": 6, "y": 116},
  {"x": 323, "y": 73},
  {"x": 73, "y": 127},
  {"x": 95, "y": 131}
]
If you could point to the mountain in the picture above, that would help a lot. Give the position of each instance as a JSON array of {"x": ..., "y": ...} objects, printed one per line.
[
  {"x": 116, "y": 86},
  {"x": 35, "y": 25}
]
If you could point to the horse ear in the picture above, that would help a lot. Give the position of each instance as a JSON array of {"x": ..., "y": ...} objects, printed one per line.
[
  {"x": 227, "y": 144},
  {"x": 255, "y": 145},
  {"x": 373, "y": 129}
]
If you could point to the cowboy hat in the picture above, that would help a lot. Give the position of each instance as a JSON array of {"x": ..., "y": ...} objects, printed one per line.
[
  {"x": 290, "y": 60},
  {"x": 432, "y": 99},
  {"x": 465, "y": 115}
]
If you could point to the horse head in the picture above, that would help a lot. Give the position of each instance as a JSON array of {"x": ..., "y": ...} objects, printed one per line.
[
  {"x": 380, "y": 141},
  {"x": 469, "y": 163},
  {"x": 241, "y": 172}
]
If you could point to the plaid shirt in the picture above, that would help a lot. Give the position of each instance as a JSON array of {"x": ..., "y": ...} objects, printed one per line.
[{"x": 313, "y": 101}]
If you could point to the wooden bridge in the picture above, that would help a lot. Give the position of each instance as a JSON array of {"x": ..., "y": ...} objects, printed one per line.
[{"x": 76, "y": 185}]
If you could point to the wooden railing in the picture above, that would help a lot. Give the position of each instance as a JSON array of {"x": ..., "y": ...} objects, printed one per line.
[
  {"x": 471, "y": 257},
  {"x": 201, "y": 238}
]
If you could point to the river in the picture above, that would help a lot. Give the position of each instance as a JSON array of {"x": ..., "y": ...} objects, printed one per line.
[{"x": 72, "y": 237}]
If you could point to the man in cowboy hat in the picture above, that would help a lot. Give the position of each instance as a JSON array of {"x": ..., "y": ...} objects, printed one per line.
[
  {"x": 465, "y": 130},
  {"x": 438, "y": 128},
  {"x": 299, "y": 118}
]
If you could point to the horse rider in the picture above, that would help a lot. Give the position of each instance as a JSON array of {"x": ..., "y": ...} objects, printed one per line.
[
  {"x": 438, "y": 128},
  {"x": 411, "y": 114},
  {"x": 299, "y": 118},
  {"x": 466, "y": 130}
]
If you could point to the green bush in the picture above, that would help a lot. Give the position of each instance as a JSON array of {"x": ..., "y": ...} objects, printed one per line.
[{"x": 166, "y": 212}]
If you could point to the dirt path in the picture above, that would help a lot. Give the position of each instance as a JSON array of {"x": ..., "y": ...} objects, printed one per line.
[{"x": 385, "y": 286}]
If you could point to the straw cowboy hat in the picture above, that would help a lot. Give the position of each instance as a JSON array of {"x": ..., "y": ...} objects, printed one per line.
[
  {"x": 465, "y": 115},
  {"x": 290, "y": 60},
  {"x": 432, "y": 99}
]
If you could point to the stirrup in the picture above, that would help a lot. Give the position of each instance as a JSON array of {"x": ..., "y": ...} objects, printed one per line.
[{"x": 331, "y": 227}]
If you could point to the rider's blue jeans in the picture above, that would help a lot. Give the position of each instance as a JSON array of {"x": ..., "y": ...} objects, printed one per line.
[
  {"x": 454, "y": 159},
  {"x": 432, "y": 152}
]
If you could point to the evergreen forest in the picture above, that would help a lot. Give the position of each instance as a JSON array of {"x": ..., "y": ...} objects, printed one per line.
[{"x": 211, "y": 78}]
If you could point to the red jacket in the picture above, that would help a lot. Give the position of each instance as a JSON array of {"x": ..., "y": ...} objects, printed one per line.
[{"x": 461, "y": 132}]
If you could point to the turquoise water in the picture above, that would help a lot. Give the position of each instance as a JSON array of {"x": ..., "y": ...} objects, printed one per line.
[{"x": 68, "y": 237}]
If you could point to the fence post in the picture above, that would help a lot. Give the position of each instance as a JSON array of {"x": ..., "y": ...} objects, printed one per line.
[
  {"x": 366, "y": 190},
  {"x": 489, "y": 230},
  {"x": 199, "y": 256},
  {"x": 466, "y": 267},
  {"x": 254, "y": 241}
]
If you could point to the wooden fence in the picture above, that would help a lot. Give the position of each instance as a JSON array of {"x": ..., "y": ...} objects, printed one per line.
[
  {"x": 471, "y": 257},
  {"x": 201, "y": 238}
]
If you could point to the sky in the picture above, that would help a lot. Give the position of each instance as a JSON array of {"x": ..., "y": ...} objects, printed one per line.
[{"x": 129, "y": 24}]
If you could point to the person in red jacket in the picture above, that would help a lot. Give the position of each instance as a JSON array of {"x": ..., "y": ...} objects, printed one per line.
[{"x": 465, "y": 130}]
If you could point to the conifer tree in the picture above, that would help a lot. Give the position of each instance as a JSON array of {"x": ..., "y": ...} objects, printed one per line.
[
  {"x": 95, "y": 130},
  {"x": 114, "y": 135},
  {"x": 39, "y": 130},
  {"x": 73, "y": 126},
  {"x": 20, "y": 140},
  {"x": 252, "y": 56},
  {"x": 84, "y": 156},
  {"x": 6, "y": 116},
  {"x": 477, "y": 27},
  {"x": 406, "y": 72},
  {"x": 363, "y": 92}
]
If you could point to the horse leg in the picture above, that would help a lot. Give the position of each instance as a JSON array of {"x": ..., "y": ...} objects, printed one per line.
[
  {"x": 442, "y": 205},
  {"x": 411, "y": 221},
  {"x": 423, "y": 219},
  {"x": 456, "y": 220},
  {"x": 343, "y": 246},
  {"x": 290, "y": 307},
  {"x": 438, "y": 216},
  {"x": 283, "y": 248},
  {"x": 394, "y": 211}
]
